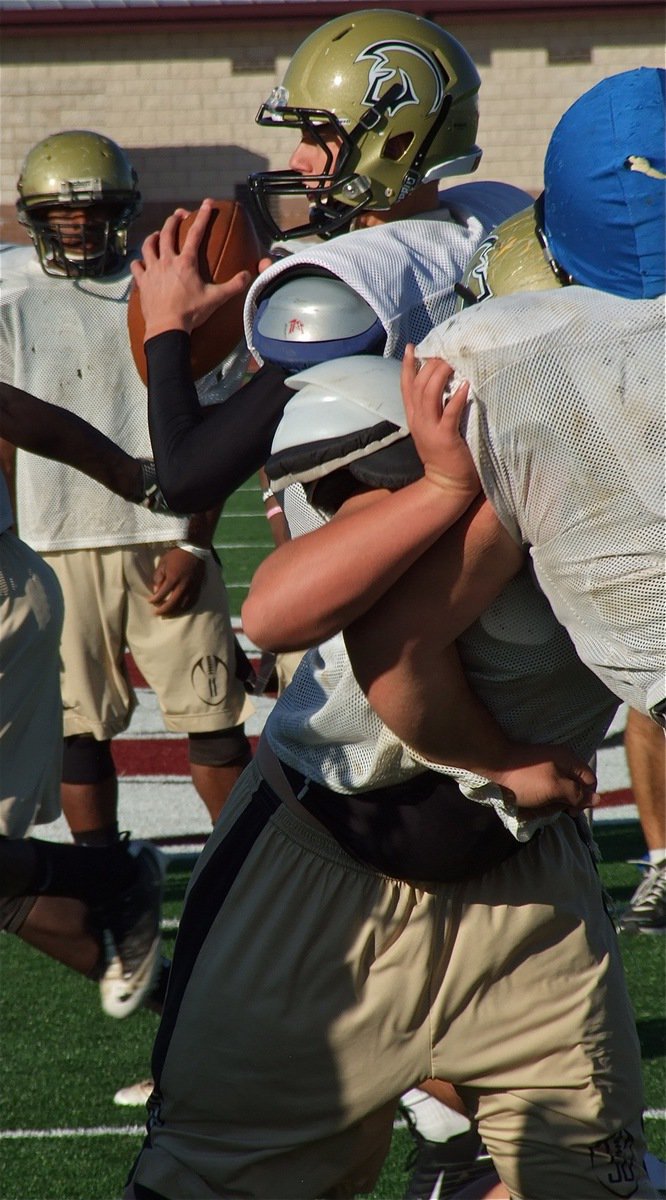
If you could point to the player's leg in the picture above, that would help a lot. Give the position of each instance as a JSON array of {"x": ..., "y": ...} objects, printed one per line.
[
  {"x": 543, "y": 1045},
  {"x": 49, "y": 892},
  {"x": 90, "y": 790},
  {"x": 97, "y": 697},
  {"x": 31, "y": 615},
  {"x": 300, "y": 979},
  {"x": 217, "y": 761},
  {"x": 57, "y": 927},
  {"x": 31, "y": 748},
  {"x": 447, "y": 1150},
  {"x": 190, "y": 662},
  {"x": 63, "y": 929},
  {"x": 98, "y": 911},
  {"x": 645, "y": 747}
]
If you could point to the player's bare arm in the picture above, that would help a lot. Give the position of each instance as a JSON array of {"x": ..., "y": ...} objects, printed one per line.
[
  {"x": 53, "y": 432},
  {"x": 173, "y": 293},
  {"x": 346, "y": 566},
  {"x": 403, "y": 658}
]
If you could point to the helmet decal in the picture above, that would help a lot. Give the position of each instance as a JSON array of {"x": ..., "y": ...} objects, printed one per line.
[
  {"x": 511, "y": 259},
  {"x": 479, "y": 271},
  {"x": 395, "y": 100},
  {"x": 382, "y": 73}
]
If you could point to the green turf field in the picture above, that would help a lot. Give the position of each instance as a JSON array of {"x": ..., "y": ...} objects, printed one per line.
[
  {"x": 243, "y": 538},
  {"x": 62, "y": 1138}
]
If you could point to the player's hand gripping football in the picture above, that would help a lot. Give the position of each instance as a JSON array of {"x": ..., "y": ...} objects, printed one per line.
[
  {"x": 173, "y": 293},
  {"x": 435, "y": 427}
]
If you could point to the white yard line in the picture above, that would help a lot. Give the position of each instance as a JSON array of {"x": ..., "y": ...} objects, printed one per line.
[
  {"x": 93, "y": 1131},
  {"x": 651, "y": 1114}
]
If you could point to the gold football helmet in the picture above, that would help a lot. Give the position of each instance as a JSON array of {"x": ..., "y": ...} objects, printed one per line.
[
  {"x": 511, "y": 259},
  {"x": 401, "y": 95},
  {"x": 87, "y": 172}
]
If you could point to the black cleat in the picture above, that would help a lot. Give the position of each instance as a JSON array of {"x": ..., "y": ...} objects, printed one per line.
[{"x": 440, "y": 1169}]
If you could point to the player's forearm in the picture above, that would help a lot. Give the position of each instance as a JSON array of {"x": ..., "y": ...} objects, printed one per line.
[
  {"x": 432, "y": 604},
  {"x": 53, "y": 432},
  {"x": 403, "y": 658},
  {"x": 315, "y": 585},
  {"x": 202, "y": 454},
  {"x": 201, "y": 527},
  {"x": 424, "y": 697}
]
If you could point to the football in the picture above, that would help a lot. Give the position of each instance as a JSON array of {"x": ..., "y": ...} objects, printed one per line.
[{"x": 230, "y": 244}]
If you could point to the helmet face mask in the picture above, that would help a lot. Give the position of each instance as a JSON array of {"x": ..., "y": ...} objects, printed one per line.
[
  {"x": 326, "y": 217},
  {"x": 401, "y": 96},
  {"x": 69, "y": 245},
  {"x": 78, "y": 195}
]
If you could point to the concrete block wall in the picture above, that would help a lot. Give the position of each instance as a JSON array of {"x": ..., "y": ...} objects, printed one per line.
[{"x": 183, "y": 104}]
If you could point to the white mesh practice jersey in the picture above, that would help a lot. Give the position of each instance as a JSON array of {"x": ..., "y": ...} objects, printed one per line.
[
  {"x": 517, "y": 657},
  {"x": 66, "y": 341},
  {"x": 406, "y": 270},
  {"x": 323, "y": 724},
  {"x": 566, "y": 427}
]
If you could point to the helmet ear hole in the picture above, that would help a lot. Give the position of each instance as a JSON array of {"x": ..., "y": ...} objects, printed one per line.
[{"x": 397, "y": 146}]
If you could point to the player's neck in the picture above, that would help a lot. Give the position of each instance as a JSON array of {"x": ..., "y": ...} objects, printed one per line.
[{"x": 422, "y": 199}]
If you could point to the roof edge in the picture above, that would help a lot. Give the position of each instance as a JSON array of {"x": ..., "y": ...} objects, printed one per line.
[{"x": 148, "y": 18}]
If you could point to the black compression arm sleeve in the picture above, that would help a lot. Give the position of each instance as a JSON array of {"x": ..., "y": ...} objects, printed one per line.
[{"x": 203, "y": 454}]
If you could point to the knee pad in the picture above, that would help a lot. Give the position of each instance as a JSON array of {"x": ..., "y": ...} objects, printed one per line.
[
  {"x": 85, "y": 760},
  {"x": 220, "y": 748}
]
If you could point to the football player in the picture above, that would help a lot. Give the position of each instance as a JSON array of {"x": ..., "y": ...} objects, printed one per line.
[
  {"x": 64, "y": 338},
  {"x": 67, "y": 901},
  {"x": 308, "y": 1111},
  {"x": 394, "y": 648},
  {"x": 344, "y": 411}
]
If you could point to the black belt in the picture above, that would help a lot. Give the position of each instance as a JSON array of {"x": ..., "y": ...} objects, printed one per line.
[{"x": 423, "y": 828}]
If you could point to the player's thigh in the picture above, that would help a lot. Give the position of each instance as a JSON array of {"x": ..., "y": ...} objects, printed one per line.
[
  {"x": 299, "y": 980},
  {"x": 31, "y": 726},
  {"x": 189, "y": 660},
  {"x": 97, "y": 696},
  {"x": 550, "y": 1054}
]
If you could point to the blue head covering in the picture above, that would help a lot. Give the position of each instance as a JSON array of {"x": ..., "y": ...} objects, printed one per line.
[{"x": 605, "y": 186}]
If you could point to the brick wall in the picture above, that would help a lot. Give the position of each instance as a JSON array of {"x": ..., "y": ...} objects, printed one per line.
[{"x": 184, "y": 103}]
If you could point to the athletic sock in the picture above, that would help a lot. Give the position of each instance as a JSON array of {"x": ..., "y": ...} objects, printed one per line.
[{"x": 435, "y": 1121}]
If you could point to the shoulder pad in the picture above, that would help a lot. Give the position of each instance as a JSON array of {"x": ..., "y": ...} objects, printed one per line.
[
  {"x": 347, "y": 413},
  {"x": 310, "y": 318}
]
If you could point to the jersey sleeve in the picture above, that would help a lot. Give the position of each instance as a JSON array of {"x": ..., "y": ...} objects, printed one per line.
[{"x": 202, "y": 454}]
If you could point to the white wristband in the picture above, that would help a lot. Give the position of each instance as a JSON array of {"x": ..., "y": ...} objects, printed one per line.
[{"x": 198, "y": 551}]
